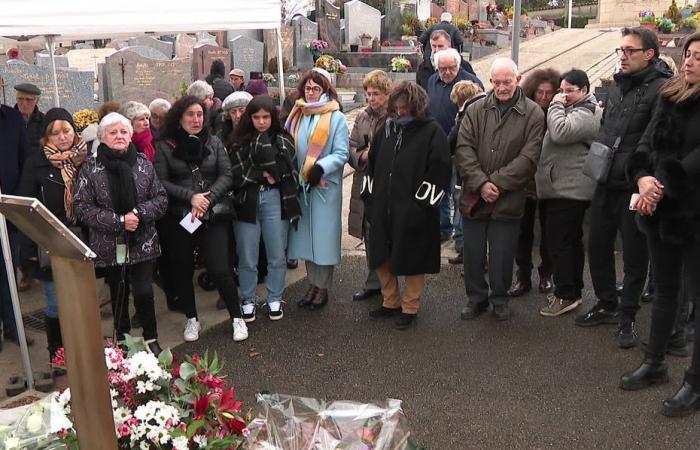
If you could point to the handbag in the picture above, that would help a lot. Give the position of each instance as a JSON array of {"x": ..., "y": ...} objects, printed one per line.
[
  {"x": 473, "y": 206},
  {"x": 599, "y": 160}
]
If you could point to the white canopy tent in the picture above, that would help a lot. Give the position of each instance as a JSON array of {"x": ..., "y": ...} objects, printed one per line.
[{"x": 90, "y": 19}]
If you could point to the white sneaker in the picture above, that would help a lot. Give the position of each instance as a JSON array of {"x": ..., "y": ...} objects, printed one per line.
[
  {"x": 192, "y": 329},
  {"x": 248, "y": 310},
  {"x": 240, "y": 330},
  {"x": 275, "y": 310}
]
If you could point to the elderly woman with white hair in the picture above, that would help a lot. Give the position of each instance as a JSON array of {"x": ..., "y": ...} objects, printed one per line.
[
  {"x": 119, "y": 198},
  {"x": 140, "y": 117},
  {"x": 159, "y": 108}
]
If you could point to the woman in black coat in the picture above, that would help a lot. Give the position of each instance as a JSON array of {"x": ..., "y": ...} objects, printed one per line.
[
  {"x": 49, "y": 176},
  {"x": 407, "y": 176},
  {"x": 666, "y": 169},
  {"x": 196, "y": 172}
]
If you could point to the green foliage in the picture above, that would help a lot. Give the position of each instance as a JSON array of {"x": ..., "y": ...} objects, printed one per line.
[
  {"x": 689, "y": 25},
  {"x": 673, "y": 13},
  {"x": 379, "y": 4},
  {"x": 576, "y": 22},
  {"x": 430, "y": 21},
  {"x": 461, "y": 24},
  {"x": 666, "y": 25},
  {"x": 272, "y": 65},
  {"x": 412, "y": 25}
]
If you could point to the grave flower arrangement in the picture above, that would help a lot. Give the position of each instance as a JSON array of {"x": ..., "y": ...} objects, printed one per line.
[
  {"x": 647, "y": 16},
  {"x": 269, "y": 79},
  {"x": 330, "y": 64},
  {"x": 400, "y": 64},
  {"x": 491, "y": 10},
  {"x": 84, "y": 118},
  {"x": 317, "y": 47},
  {"x": 160, "y": 405}
]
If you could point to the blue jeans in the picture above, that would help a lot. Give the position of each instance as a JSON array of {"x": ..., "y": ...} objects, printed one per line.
[
  {"x": 274, "y": 230},
  {"x": 51, "y": 302}
]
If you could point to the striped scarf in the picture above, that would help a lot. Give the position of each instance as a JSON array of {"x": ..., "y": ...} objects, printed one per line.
[
  {"x": 319, "y": 137},
  {"x": 68, "y": 162}
]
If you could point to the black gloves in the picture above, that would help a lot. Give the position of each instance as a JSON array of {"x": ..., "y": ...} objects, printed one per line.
[{"x": 315, "y": 174}]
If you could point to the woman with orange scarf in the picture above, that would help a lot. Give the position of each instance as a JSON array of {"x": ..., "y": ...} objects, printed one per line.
[{"x": 321, "y": 137}]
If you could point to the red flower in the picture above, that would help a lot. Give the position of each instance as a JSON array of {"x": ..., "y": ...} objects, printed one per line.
[
  {"x": 124, "y": 430},
  {"x": 59, "y": 358},
  {"x": 213, "y": 382},
  {"x": 201, "y": 405},
  {"x": 228, "y": 403},
  {"x": 176, "y": 372},
  {"x": 236, "y": 426}
]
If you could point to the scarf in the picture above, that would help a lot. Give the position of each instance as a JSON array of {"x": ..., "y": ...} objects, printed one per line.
[
  {"x": 120, "y": 176},
  {"x": 319, "y": 137},
  {"x": 144, "y": 142},
  {"x": 190, "y": 148},
  {"x": 68, "y": 162}
]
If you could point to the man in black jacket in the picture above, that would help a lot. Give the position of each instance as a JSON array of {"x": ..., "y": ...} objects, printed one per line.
[
  {"x": 27, "y": 104},
  {"x": 452, "y": 31},
  {"x": 439, "y": 40},
  {"x": 627, "y": 113}
]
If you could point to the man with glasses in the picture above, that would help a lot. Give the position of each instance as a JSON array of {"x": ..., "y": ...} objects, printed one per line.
[
  {"x": 627, "y": 113},
  {"x": 27, "y": 104}
]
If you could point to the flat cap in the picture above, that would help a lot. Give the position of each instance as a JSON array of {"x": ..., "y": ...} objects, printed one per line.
[
  {"x": 28, "y": 88},
  {"x": 237, "y": 72}
]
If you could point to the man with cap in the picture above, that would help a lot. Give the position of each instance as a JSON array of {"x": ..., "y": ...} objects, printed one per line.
[
  {"x": 237, "y": 79},
  {"x": 28, "y": 106}
]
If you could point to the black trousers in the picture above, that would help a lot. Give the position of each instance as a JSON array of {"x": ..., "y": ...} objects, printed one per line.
[
  {"x": 565, "y": 244},
  {"x": 212, "y": 239},
  {"x": 670, "y": 261},
  {"x": 526, "y": 238},
  {"x": 610, "y": 213},
  {"x": 138, "y": 281}
]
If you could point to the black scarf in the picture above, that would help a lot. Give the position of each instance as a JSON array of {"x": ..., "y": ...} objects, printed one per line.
[
  {"x": 120, "y": 176},
  {"x": 191, "y": 148}
]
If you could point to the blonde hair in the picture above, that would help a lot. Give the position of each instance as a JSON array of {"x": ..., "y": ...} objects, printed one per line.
[
  {"x": 677, "y": 89},
  {"x": 377, "y": 79},
  {"x": 463, "y": 91},
  {"x": 670, "y": 63}
]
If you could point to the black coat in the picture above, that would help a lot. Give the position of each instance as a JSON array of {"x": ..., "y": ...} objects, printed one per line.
[
  {"x": 670, "y": 151},
  {"x": 14, "y": 148},
  {"x": 456, "y": 38},
  {"x": 222, "y": 88},
  {"x": 409, "y": 171},
  {"x": 627, "y": 114},
  {"x": 34, "y": 130},
  {"x": 176, "y": 176},
  {"x": 426, "y": 70}
]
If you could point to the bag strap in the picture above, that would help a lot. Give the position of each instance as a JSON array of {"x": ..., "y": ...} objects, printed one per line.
[
  {"x": 637, "y": 99},
  {"x": 196, "y": 176}
]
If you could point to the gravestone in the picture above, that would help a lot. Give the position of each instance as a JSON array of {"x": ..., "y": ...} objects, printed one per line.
[
  {"x": 130, "y": 76},
  {"x": 202, "y": 57},
  {"x": 393, "y": 20},
  {"x": 117, "y": 44},
  {"x": 328, "y": 19},
  {"x": 270, "y": 43},
  {"x": 304, "y": 32},
  {"x": 147, "y": 52},
  {"x": 88, "y": 59},
  {"x": 75, "y": 88},
  {"x": 205, "y": 38},
  {"x": 163, "y": 47},
  {"x": 361, "y": 18},
  {"x": 184, "y": 43},
  {"x": 247, "y": 55},
  {"x": 44, "y": 60}
]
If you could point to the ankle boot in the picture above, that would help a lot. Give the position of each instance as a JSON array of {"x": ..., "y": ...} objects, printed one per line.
[
  {"x": 306, "y": 299},
  {"x": 320, "y": 299},
  {"x": 685, "y": 401},
  {"x": 653, "y": 370}
]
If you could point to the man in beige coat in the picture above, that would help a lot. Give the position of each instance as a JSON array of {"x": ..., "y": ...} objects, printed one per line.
[{"x": 498, "y": 148}]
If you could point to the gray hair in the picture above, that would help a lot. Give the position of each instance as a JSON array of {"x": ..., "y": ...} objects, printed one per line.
[
  {"x": 111, "y": 120},
  {"x": 445, "y": 17},
  {"x": 160, "y": 103},
  {"x": 133, "y": 110},
  {"x": 448, "y": 52},
  {"x": 200, "y": 89},
  {"x": 504, "y": 63},
  {"x": 437, "y": 34}
]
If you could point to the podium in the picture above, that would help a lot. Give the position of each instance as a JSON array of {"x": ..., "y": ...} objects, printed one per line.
[{"x": 76, "y": 292}]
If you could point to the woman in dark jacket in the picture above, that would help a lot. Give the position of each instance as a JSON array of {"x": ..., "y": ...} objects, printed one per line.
[
  {"x": 196, "y": 172},
  {"x": 119, "y": 198},
  {"x": 407, "y": 176},
  {"x": 50, "y": 176},
  {"x": 265, "y": 187},
  {"x": 666, "y": 168}
]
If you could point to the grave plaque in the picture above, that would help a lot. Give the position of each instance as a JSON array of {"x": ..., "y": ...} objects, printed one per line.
[
  {"x": 202, "y": 57},
  {"x": 44, "y": 60},
  {"x": 163, "y": 47},
  {"x": 130, "y": 76},
  {"x": 184, "y": 43},
  {"x": 328, "y": 19},
  {"x": 361, "y": 18},
  {"x": 270, "y": 42},
  {"x": 304, "y": 32},
  {"x": 75, "y": 88},
  {"x": 247, "y": 55}
]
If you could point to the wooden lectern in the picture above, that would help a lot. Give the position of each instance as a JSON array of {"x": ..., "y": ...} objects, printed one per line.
[{"x": 76, "y": 291}]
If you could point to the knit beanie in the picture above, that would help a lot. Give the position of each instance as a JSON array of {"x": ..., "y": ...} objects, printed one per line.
[
  {"x": 256, "y": 87},
  {"x": 54, "y": 114},
  {"x": 236, "y": 100}
]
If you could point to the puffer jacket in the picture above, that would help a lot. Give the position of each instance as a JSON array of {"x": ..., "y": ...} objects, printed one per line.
[{"x": 570, "y": 131}]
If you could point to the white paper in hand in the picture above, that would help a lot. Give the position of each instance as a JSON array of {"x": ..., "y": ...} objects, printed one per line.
[{"x": 188, "y": 224}]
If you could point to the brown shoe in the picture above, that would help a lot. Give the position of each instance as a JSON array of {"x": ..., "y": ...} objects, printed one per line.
[
  {"x": 319, "y": 300},
  {"x": 306, "y": 299},
  {"x": 459, "y": 259}
]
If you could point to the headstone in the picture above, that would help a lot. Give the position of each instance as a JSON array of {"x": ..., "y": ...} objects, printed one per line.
[
  {"x": 88, "y": 59},
  {"x": 163, "y": 47},
  {"x": 202, "y": 57},
  {"x": 117, "y": 44},
  {"x": 75, "y": 88},
  {"x": 44, "y": 60},
  {"x": 270, "y": 45},
  {"x": 361, "y": 18},
  {"x": 205, "y": 38},
  {"x": 247, "y": 55},
  {"x": 328, "y": 19},
  {"x": 304, "y": 32},
  {"x": 131, "y": 76},
  {"x": 393, "y": 20},
  {"x": 184, "y": 43},
  {"x": 147, "y": 52}
]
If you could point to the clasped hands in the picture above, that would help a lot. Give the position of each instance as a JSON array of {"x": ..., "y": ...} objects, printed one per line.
[
  {"x": 200, "y": 204},
  {"x": 651, "y": 191}
]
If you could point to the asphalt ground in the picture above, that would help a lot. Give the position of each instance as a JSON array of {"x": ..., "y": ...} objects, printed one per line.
[{"x": 528, "y": 383}]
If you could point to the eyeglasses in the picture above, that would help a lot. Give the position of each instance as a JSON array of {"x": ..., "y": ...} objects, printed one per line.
[
  {"x": 447, "y": 69},
  {"x": 568, "y": 91},
  {"x": 314, "y": 89},
  {"x": 628, "y": 51}
]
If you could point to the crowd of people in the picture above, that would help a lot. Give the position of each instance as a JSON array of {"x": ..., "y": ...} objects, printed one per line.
[{"x": 226, "y": 179}]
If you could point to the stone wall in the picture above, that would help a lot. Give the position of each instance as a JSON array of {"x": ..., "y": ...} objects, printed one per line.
[{"x": 619, "y": 13}]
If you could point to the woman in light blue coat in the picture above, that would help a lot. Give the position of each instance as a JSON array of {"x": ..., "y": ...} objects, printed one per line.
[{"x": 321, "y": 137}]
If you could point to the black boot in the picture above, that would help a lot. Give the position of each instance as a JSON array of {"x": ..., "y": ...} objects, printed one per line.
[
  {"x": 686, "y": 400},
  {"x": 652, "y": 371}
]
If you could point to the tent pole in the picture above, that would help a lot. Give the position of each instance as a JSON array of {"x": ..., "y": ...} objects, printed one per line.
[
  {"x": 12, "y": 284},
  {"x": 50, "y": 44},
  {"x": 280, "y": 65}
]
